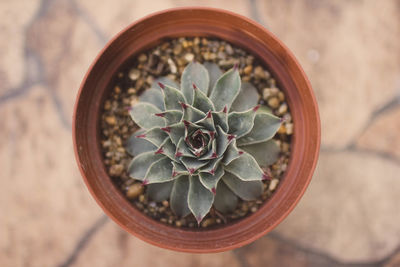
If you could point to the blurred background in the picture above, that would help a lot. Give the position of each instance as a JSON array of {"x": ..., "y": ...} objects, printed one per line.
[{"x": 350, "y": 214}]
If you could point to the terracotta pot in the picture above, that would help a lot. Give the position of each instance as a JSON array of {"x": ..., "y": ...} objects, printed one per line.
[{"x": 241, "y": 32}]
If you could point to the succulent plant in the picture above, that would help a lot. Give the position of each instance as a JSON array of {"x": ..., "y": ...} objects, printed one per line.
[{"x": 204, "y": 142}]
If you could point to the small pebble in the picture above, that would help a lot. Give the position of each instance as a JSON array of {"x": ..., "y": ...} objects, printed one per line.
[
  {"x": 273, "y": 184},
  {"x": 142, "y": 58},
  {"x": 247, "y": 70},
  {"x": 172, "y": 66},
  {"x": 116, "y": 170},
  {"x": 165, "y": 203},
  {"x": 189, "y": 57},
  {"x": 207, "y": 222},
  {"x": 281, "y": 96},
  {"x": 253, "y": 209},
  {"x": 289, "y": 128},
  {"x": 134, "y": 74},
  {"x": 282, "y": 129},
  {"x": 282, "y": 109},
  {"x": 134, "y": 191},
  {"x": 259, "y": 73},
  {"x": 111, "y": 120},
  {"x": 273, "y": 102}
]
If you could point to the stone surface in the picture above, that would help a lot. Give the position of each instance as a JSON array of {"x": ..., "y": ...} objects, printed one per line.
[
  {"x": 15, "y": 16},
  {"x": 383, "y": 134},
  {"x": 350, "y": 210},
  {"x": 44, "y": 205},
  {"x": 351, "y": 53},
  {"x": 114, "y": 247},
  {"x": 66, "y": 46},
  {"x": 271, "y": 250},
  {"x": 111, "y": 18}
]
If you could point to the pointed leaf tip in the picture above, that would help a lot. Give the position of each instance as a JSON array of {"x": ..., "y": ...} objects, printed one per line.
[
  {"x": 256, "y": 108},
  {"x": 145, "y": 182},
  {"x": 162, "y": 86},
  {"x": 214, "y": 191},
  {"x": 129, "y": 108},
  {"x": 282, "y": 119},
  {"x": 212, "y": 135},
  {"x": 166, "y": 129},
  {"x": 212, "y": 171},
  {"x": 141, "y": 136},
  {"x": 199, "y": 219},
  {"x": 266, "y": 176},
  {"x": 162, "y": 114},
  {"x": 178, "y": 154},
  {"x": 225, "y": 110},
  {"x": 183, "y": 105},
  {"x": 214, "y": 155},
  {"x": 187, "y": 123},
  {"x": 159, "y": 151},
  {"x": 241, "y": 152},
  {"x": 231, "y": 137},
  {"x": 194, "y": 86},
  {"x": 191, "y": 170},
  {"x": 209, "y": 114},
  {"x": 236, "y": 66}
]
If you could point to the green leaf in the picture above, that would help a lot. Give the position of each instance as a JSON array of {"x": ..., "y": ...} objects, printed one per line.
[
  {"x": 194, "y": 73},
  {"x": 265, "y": 127},
  {"x": 246, "y": 190},
  {"x": 191, "y": 113},
  {"x": 156, "y": 136},
  {"x": 247, "y": 98},
  {"x": 212, "y": 151},
  {"x": 135, "y": 146},
  {"x": 265, "y": 153},
  {"x": 179, "y": 196},
  {"x": 241, "y": 123},
  {"x": 192, "y": 164},
  {"x": 245, "y": 167},
  {"x": 175, "y": 131},
  {"x": 166, "y": 81},
  {"x": 143, "y": 115},
  {"x": 167, "y": 148},
  {"x": 159, "y": 172},
  {"x": 172, "y": 97},
  {"x": 225, "y": 200},
  {"x": 183, "y": 150},
  {"x": 226, "y": 89},
  {"x": 214, "y": 72},
  {"x": 178, "y": 169},
  {"x": 231, "y": 153},
  {"x": 207, "y": 122},
  {"x": 200, "y": 199},
  {"x": 221, "y": 118},
  {"x": 211, "y": 166},
  {"x": 159, "y": 192},
  {"x": 153, "y": 96},
  {"x": 140, "y": 164},
  {"x": 209, "y": 180},
  {"x": 202, "y": 102},
  {"x": 171, "y": 116},
  {"x": 223, "y": 140}
]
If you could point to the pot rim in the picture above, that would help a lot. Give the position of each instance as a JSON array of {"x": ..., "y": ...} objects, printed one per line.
[{"x": 252, "y": 235}]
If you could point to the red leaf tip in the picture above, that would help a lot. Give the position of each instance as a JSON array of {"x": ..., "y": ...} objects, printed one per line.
[
  {"x": 231, "y": 137},
  {"x": 256, "y": 108},
  {"x": 241, "y": 152},
  {"x": 214, "y": 155},
  {"x": 209, "y": 114},
  {"x": 174, "y": 173},
  {"x": 194, "y": 86},
  {"x": 282, "y": 119},
  {"x": 236, "y": 66},
  {"x": 166, "y": 129},
  {"x": 199, "y": 219},
  {"x": 187, "y": 123},
  {"x": 162, "y": 86},
  {"x": 141, "y": 136},
  {"x": 145, "y": 182},
  {"x": 225, "y": 110},
  {"x": 183, "y": 105},
  {"x": 213, "y": 190},
  {"x": 212, "y": 171},
  {"x": 162, "y": 114},
  {"x": 212, "y": 135},
  {"x": 129, "y": 108},
  {"x": 178, "y": 154},
  {"x": 159, "y": 151},
  {"x": 191, "y": 170},
  {"x": 266, "y": 177}
]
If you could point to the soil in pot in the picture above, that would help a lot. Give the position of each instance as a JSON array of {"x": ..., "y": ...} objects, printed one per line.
[{"x": 169, "y": 59}]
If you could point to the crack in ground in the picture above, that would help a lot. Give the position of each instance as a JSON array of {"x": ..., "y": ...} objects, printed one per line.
[{"x": 83, "y": 241}]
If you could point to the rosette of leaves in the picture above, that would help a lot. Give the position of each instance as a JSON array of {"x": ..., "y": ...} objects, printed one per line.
[{"x": 202, "y": 143}]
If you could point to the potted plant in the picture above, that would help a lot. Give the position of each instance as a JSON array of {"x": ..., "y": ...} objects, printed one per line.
[{"x": 188, "y": 125}]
